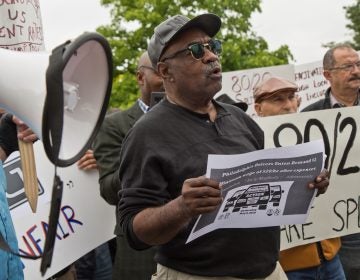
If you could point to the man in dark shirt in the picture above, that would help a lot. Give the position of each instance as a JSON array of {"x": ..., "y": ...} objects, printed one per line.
[
  {"x": 341, "y": 66},
  {"x": 164, "y": 157}
]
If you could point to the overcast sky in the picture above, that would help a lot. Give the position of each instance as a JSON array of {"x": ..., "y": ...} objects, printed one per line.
[{"x": 303, "y": 25}]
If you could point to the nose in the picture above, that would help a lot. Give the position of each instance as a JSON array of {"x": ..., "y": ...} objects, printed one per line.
[
  {"x": 290, "y": 105},
  {"x": 356, "y": 67},
  {"x": 209, "y": 56}
]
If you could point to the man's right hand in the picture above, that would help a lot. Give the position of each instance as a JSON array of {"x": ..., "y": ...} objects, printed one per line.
[
  {"x": 24, "y": 133},
  {"x": 158, "y": 225},
  {"x": 200, "y": 195}
]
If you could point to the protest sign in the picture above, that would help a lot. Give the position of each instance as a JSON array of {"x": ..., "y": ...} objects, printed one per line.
[
  {"x": 311, "y": 82},
  {"x": 335, "y": 213},
  {"x": 85, "y": 222},
  {"x": 20, "y": 26}
]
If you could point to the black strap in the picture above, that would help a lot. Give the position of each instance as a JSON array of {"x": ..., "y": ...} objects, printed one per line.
[
  {"x": 53, "y": 118},
  {"x": 53, "y": 114}
]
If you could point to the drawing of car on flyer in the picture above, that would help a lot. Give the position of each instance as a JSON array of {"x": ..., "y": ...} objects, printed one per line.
[{"x": 258, "y": 196}]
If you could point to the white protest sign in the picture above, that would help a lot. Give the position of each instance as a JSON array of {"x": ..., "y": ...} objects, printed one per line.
[
  {"x": 20, "y": 25},
  {"x": 85, "y": 221},
  {"x": 311, "y": 82},
  {"x": 335, "y": 213}
]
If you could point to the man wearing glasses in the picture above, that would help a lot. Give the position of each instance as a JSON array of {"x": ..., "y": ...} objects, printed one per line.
[
  {"x": 164, "y": 158},
  {"x": 342, "y": 69}
]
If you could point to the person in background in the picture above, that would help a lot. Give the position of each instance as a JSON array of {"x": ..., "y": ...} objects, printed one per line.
[
  {"x": 11, "y": 129},
  {"x": 164, "y": 158},
  {"x": 319, "y": 260},
  {"x": 128, "y": 264},
  {"x": 275, "y": 96},
  {"x": 341, "y": 66}
]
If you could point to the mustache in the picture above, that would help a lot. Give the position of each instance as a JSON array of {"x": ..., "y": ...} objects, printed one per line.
[
  {"x": 213, "y": 66},
  {"x": 354, "y": 78}
]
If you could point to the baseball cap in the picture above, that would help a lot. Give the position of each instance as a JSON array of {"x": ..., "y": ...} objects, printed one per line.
[
  {"x": 272, "y": 86},
  {"x": 227, "y": 99},
  {"x": 168, "y": 29}
]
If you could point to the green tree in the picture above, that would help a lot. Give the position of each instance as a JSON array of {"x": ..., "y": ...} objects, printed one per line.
[
  {"x": 133, "y": 22},
  {"x": 353, "y": 14}
]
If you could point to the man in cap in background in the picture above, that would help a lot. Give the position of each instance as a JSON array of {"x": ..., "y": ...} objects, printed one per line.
[
  {"x": 319, "y": 260},
  {"x": 275, "y": 96}
]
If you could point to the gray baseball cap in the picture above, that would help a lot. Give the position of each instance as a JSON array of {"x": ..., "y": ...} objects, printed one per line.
[{"x": 168, "y": 29}]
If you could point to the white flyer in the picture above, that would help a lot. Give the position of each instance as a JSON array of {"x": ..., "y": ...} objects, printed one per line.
[{"x": 263, "y": 188}]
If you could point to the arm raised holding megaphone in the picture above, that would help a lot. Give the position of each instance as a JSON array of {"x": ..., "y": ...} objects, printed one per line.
[{"x": 63, "y": 100}]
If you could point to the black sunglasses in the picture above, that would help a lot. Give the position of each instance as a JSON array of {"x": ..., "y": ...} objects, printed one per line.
[{"x": 197, "y": 50}]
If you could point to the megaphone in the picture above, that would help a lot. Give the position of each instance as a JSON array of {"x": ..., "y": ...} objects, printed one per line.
[{"x": 62, "y": 96}]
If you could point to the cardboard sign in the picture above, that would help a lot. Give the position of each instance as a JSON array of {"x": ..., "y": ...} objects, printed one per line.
[
  {"x": 336, "y": 212},
  {"x": 85, "y": 222},
  {"x": 20, "y": 25}
]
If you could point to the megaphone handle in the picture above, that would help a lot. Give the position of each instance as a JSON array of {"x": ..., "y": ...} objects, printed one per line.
[{"x": 29, "y": 173}]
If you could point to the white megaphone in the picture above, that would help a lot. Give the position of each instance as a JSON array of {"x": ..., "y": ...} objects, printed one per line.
[{"x": 62, "y": 96}]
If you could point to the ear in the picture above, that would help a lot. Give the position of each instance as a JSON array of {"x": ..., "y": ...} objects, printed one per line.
[
  {"x": 140, "y": 77},
  {"x": 257, "y": 107},
  {"x": 164, "y": 71},
  {"x": 298, "y": 99},
  {"x": 327, "y": 75}
]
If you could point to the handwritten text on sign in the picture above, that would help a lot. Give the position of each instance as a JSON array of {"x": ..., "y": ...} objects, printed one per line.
[
  {"x": 20, "y": 25},
  {"x": 335, "y": 213}
]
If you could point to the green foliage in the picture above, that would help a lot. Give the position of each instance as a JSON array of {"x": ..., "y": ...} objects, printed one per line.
[
  {"x": 353, "y": 14},
  {"x": 133, "y": 23}
]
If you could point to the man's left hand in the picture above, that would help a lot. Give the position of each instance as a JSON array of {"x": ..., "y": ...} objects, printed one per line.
[{"x": 321, "y": 182}]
